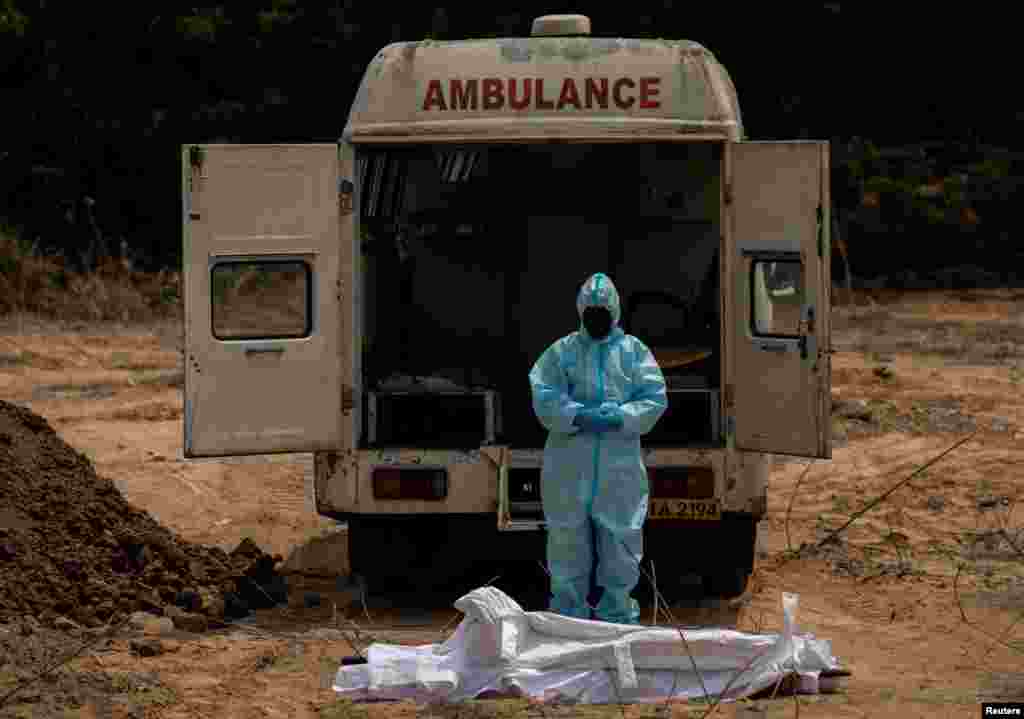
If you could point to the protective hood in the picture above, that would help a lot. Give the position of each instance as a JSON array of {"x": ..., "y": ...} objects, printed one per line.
[{"x": 599, "y": 291}]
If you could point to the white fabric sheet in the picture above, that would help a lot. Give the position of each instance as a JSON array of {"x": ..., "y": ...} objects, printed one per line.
[{"x": 499, "y": 647}]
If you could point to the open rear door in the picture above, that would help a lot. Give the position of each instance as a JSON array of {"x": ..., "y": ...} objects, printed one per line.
[
  {"x": 780, "y": 290},
  {"x": 261, "y": 268}
]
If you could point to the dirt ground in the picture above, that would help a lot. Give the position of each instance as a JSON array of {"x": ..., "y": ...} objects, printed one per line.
[{"x": 920, "y": 597}]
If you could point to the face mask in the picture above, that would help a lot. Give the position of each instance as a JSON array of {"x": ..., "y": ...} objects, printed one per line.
[{"x": 597, "y": 321}]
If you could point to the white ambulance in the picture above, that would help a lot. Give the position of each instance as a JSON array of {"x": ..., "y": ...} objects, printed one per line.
[{"x": 379, "y": 302}]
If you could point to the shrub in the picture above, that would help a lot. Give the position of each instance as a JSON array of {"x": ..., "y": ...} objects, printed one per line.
[{"x": 43, "y": 286}]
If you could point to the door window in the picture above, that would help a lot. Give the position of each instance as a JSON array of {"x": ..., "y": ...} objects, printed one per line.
[
  {"x": 777, "y": 294},
  {"x": 266, "y": 299}
]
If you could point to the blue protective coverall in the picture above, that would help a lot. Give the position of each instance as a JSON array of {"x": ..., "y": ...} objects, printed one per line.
[{"x": 594, "y": 486}]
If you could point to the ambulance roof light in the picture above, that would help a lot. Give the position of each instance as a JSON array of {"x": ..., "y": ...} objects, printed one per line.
[{"x": 561, "y": 26}]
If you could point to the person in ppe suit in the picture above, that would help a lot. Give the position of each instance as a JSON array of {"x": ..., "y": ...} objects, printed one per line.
[{"x": 596, "y": 391}]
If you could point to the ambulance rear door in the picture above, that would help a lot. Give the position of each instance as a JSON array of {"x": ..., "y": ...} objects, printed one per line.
[
  {"x": 777, "y": 210},
  {"x": 263, "y": 353}
]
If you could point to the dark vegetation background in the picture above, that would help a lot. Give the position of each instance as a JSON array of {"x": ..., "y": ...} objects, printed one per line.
[{"x": 923, "y": 109}]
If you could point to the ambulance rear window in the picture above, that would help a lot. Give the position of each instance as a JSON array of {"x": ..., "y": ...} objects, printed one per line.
[
  {"x": 777, "y": 294},
  {"x": 266, "y": 299}
]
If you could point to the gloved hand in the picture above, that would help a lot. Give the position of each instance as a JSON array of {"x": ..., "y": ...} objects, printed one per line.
[
  {"x": 611, "y": 415},
  {"x": 598, "y": 420}
]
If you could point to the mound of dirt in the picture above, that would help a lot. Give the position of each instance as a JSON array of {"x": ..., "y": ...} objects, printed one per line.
[{"x": 71, "y": 545}]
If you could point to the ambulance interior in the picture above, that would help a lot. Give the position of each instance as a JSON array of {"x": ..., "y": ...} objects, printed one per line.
[{"x": 471, "y": 260}]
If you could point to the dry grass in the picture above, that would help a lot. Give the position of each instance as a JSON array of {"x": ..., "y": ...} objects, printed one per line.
[
  {"x": 996, "y": 574},
  {"x": 881, "y": 331},
  {"x": 43, "y": 286}
]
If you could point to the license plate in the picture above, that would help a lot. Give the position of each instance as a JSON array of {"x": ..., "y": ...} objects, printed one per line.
[{"x": 684, "y": 509}]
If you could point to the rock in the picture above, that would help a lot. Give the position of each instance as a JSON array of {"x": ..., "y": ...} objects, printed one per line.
[
  {"x": 319, "y": 556},
  {"x": 187, "y": 621},
  {"x": 147, "y": 647},
  {"x": 137, "y": 620},
  {"x": 63, "y": 624},
  {"x": 159, "y": 626},
  {"x": 1000, "y": 424},
  {"x": 151, "y": 623},
  {"x": 936, "y": 503},
  {"x": 852, "y": 409},
  {"x": 991, "y": 502}
]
